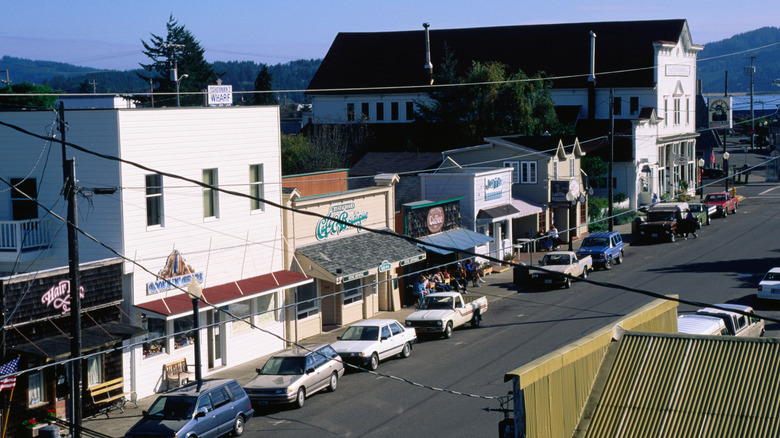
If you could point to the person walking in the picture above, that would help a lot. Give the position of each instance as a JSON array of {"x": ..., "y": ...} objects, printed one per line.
[{"x": 690, "y": 225}]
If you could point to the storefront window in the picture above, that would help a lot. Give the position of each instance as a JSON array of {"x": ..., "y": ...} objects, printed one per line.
[
  {"x": 242, "y": 311},
  {"x": 94, "y": 370},
  {"x": 36, "y": 392},
  {"x": 353, "y": 292},
  {"x": 266, "y": 306},
  {"x": 155, "y": 336},
  {"x": 308, "y": 293},
  {"x": 184, "y": 336}
]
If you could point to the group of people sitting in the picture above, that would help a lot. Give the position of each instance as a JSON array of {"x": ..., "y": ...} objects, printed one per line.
[
  {"x": 455, "y": 277},
  {"x": 549, "y": 241}
]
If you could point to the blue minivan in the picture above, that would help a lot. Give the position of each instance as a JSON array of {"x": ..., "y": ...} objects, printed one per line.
[
  {"x": 212, "y": 409},
  {"x": 605, "y": 247}
]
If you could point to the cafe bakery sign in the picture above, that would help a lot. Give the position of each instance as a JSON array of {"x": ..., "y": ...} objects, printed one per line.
[
  {"x": 344, "y": 212},
  {"x": 176, "y": 274}
]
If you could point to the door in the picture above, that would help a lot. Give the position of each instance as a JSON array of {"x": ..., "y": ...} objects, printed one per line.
[{"x": 216, "y": 338}]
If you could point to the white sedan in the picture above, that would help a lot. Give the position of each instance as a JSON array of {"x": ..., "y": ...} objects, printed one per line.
[
  {"x": 769, "y": 287},
  {"x": 367, "y": 342}
]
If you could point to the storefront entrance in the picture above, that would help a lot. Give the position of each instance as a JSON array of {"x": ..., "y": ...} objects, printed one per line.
[{"x": 216, "y": 338}]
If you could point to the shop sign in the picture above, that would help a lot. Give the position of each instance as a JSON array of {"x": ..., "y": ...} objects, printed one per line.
[
  {"x": 493, "y": 188},
  {"x": 678, "y": 70},
  {"x": 220, "y": 95},
  {"x": 176, "y": 274},
  {"x": 411, "y": 260},
  {"x": 435, "y": 219},
  {"x": 355, "y": 276},
  {"x": 385, "y": 266},
  {"x": 345, "y": 212},
  {"x": 719, "y": 112},
  {"x": 58, "y": 297},
  {"x": 560, "y": 189}
]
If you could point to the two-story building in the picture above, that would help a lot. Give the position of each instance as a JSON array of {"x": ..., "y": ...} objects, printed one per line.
[
  {"x": 170, "y": 230},
  {"x": 648, "y": 67}
]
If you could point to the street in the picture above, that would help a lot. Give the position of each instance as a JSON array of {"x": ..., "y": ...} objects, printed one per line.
[{"x": 723, "y": 265}]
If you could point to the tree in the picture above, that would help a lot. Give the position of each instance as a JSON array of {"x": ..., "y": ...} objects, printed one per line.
[
  {"x": 29, "y": 102},
  {"x": 263, "y": 83},
  {"x": 181, "y": 51},
  {"x": 496, "y": 103},
  {"x": 597, "y": 170}
]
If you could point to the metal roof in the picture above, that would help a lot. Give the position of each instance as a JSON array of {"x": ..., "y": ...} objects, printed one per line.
[{"x": 671, "y": 385}]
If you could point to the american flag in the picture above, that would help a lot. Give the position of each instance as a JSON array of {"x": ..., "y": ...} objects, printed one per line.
[{"x": 9, "y": 368}]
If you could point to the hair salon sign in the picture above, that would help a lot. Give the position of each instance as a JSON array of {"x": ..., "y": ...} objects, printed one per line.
[
  {"x": 58, "y": 297},
  {"x": 344, "y": 212}
]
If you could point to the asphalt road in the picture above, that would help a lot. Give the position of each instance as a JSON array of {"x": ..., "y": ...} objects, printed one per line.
[{"x": 723, "y": 265}]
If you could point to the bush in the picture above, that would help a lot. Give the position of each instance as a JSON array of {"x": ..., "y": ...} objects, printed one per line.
[
  {"x": 595, "y": 227},
  {"x": 619, "y": 197},
  {"x": 621, "y": 219}
]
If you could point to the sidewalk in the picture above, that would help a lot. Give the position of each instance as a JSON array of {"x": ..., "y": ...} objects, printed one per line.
[{"x": 496, "y": 287}]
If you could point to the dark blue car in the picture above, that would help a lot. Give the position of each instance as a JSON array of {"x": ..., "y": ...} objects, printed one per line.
[{"x": 605, "y": 247}]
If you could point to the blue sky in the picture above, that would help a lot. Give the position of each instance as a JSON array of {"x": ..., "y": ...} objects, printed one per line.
[{"x": 107, "y": 34}]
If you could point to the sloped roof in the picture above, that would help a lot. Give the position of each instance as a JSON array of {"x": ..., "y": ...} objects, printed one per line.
[
  {"x": 594, "y": 141},
  {"x": 396, "y": 59},
  {"x": 684, "y": 385},
  {"x": 395, "y": 162}
]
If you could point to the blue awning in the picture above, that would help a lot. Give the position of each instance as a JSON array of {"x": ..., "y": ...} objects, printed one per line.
[{"x": 456, "y": 239}]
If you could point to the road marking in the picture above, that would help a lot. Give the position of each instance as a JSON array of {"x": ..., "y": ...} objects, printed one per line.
[
  {"x": 521, "y": 315},
  {"x": 768, "y": 190},
  {"x": 278, "y": 422}
]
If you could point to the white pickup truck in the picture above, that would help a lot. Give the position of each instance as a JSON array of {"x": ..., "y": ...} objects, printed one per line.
[
  {"x": 561, "y": 262},
  {"x": 440, "y": 313}
]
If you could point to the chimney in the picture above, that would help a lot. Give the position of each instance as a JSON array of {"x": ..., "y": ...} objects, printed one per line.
[
  {"x": 592, "y": 78},
  {"x": 428, "y": 63}
]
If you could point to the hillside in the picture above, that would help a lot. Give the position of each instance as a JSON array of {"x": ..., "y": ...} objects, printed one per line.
[{"x": 712, "y": 65}]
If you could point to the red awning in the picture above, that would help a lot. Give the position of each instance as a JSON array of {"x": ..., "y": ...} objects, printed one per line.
[{"x": 218, "y": 295}]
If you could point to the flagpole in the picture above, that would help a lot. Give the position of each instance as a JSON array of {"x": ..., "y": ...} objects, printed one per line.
[{"x": 8, "y": 410}]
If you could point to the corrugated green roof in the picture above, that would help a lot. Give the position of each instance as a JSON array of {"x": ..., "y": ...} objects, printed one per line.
[{"x": 670, "y": 385}]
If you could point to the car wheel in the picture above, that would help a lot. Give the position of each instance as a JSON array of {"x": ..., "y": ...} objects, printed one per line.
[
  {"x": 448, "y": 330},
  {"x": 725, "y": 212},
  {"x": 373, "y": 364},
  {"x": 608, "y": 263},
  {"x": 698, "y": 224},
  {"x": 735, "y": 209},
  {"x": 334, "y": 382},
  {"x": 567, "y": 283},
  {"x": 620, "y": 258},
  {"x": 585, "y": 273},
  {"x": 407, "y": 350},
  {"x": 673, "y": 237},
  {"x": 708, "y": 220},
  {"x": 476, "y": 320},
  {"x": 300, "y": 399},
  {"x": 238, "y": 426}
]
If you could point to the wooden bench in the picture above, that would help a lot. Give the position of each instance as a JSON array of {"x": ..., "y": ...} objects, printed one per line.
[
  {"x": 111, "y": 395},
  {"x": 177, "y": 371}
]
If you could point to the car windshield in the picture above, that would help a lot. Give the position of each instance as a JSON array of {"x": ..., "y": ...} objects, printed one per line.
[
  {"x": 660, "y": 216},
  {"x": 172, "y": 407},
  {"x": 715, "y": 198},
  {"x": 696, "y": 208},
  {"x": 595, "y": 241},
  {"x": 361, "y": 333},
  {"x": 433, "y": 303},
  {"x": 772, "y": 276},
  {"x": 556, "y": 260},
  {"x": 284, "y": 366}
]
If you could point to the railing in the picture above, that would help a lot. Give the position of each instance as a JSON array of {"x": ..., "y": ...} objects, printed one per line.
[{"x": 18, "y": 236}]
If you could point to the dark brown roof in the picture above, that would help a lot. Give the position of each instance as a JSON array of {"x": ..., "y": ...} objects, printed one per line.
[
  {"x": 542, "y": 143},
  {"x": 395, "y": 162},
  {"x": 594, "y": 141},
  {"x": 395, "y": 59}
]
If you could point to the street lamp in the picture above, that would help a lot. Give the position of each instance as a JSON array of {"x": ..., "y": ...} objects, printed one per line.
[
  {"x": 726, "y": 168},
  {"x": 701, "y": 170},
  {"x": 196, "y": 291},
  {"x": 178, "y": 80}
]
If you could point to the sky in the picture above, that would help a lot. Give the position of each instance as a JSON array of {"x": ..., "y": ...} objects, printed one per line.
[{"x": 107, "y": 34}]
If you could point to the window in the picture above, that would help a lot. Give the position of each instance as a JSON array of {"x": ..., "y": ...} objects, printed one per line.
[
  {"x": 666, "y": 112},
  {"x": 205, "y": 402},
  {"x": 687, "y": 110},
  {"x": 183, "y": 333},
  {"x": 555, "y": 169},
  {"x": 154, "y": 200},
  {"x": 634, "y": 105},
  {"x": 94, "y": 370},
  {"x": 542, "y": 222},
  {"x": 350, "y": 112},
  {"x": 210, "y": 199},
  {"x": 409, "y": 110},
  {"x": 676, "y": 111},
  {"x": 155, "y": 328},
  {"x": 353, "y": 292},
  {"x": 23, "y": 207},
  {"x": 393, "y": 110},
  {"x": 380, "y": 111},
  {"x": 256, "y": 186},
  {"x": 396, "y": 328},
  {"x": 364, "y": 110},
  {"x": 515, "y": 165},
  {"x": 242, "y": 311},
  {"x": 266, "y": 308},
  {"x": 385, "y": 332},
  {"x": 617, "y": 106},
  {"x": 528, "y": 172},
  {"x": 36, "y": 392},
  {"x": 307, "y": 293},
  {"x": 572, "y": 167},
  {"x": 219, "y": 397}
]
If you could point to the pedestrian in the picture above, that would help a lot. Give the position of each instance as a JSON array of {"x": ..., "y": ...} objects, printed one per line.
[
  {"x": 690, "y": 225},
  {"x": 419, "y": 290},
  {"x": 462, "y": 276}
]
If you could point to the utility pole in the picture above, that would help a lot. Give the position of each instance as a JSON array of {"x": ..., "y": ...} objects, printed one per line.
[
  {"x": 726, "y": 131},
  {"x": 752, "y": 115},
  {"x": 94, "y": 86},
  {"x": 7, "y": 80},
  {"x": 69, "y": 177},
  {"x": 610, "y": 193},
  {"x": 151, "y": 90},
  {"x": 175, "y": 71}
]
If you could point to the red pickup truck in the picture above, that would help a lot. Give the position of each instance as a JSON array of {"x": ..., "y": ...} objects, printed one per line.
[{"x": 723, "y": 202}]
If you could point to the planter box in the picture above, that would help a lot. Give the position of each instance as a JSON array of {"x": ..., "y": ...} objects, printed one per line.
[{"x": 500, "y": 268}]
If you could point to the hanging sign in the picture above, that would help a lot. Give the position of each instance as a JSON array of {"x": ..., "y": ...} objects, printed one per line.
[
  {"x": 58, "y": 296},
  {"x": 176, "y": 274}
]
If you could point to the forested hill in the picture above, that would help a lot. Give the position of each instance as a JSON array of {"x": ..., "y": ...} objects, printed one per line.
[
  {"x": 294, "y": 75},
  {"x": 763, "y": 43}
]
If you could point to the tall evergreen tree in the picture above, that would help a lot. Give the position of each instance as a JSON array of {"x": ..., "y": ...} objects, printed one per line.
[
  {"x": 177, "y": 49},
  {"x": 263, "y": 84}
]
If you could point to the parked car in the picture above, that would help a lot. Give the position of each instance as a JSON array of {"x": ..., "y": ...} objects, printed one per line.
[
  {"x": 605, "y": 247},
  {"x": 713, "y": 173},
  {"x": 701, "y": 325},
  {"x": 663, "y": 220},
  {"x": 441, "y": 312},
  {"x": 769, "y": 286},
  {"x": 703, "y": 213},
  {"x": 294, "y": 374},
  {"x": 214, "y": 408},
  {"x": 561, "y": 262},
  {"x": 736, "y": 323},
  {"x": 367, "y": 342},
  {"x": 723, "y": 202},
  {"x": 747, "y": 139}
]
